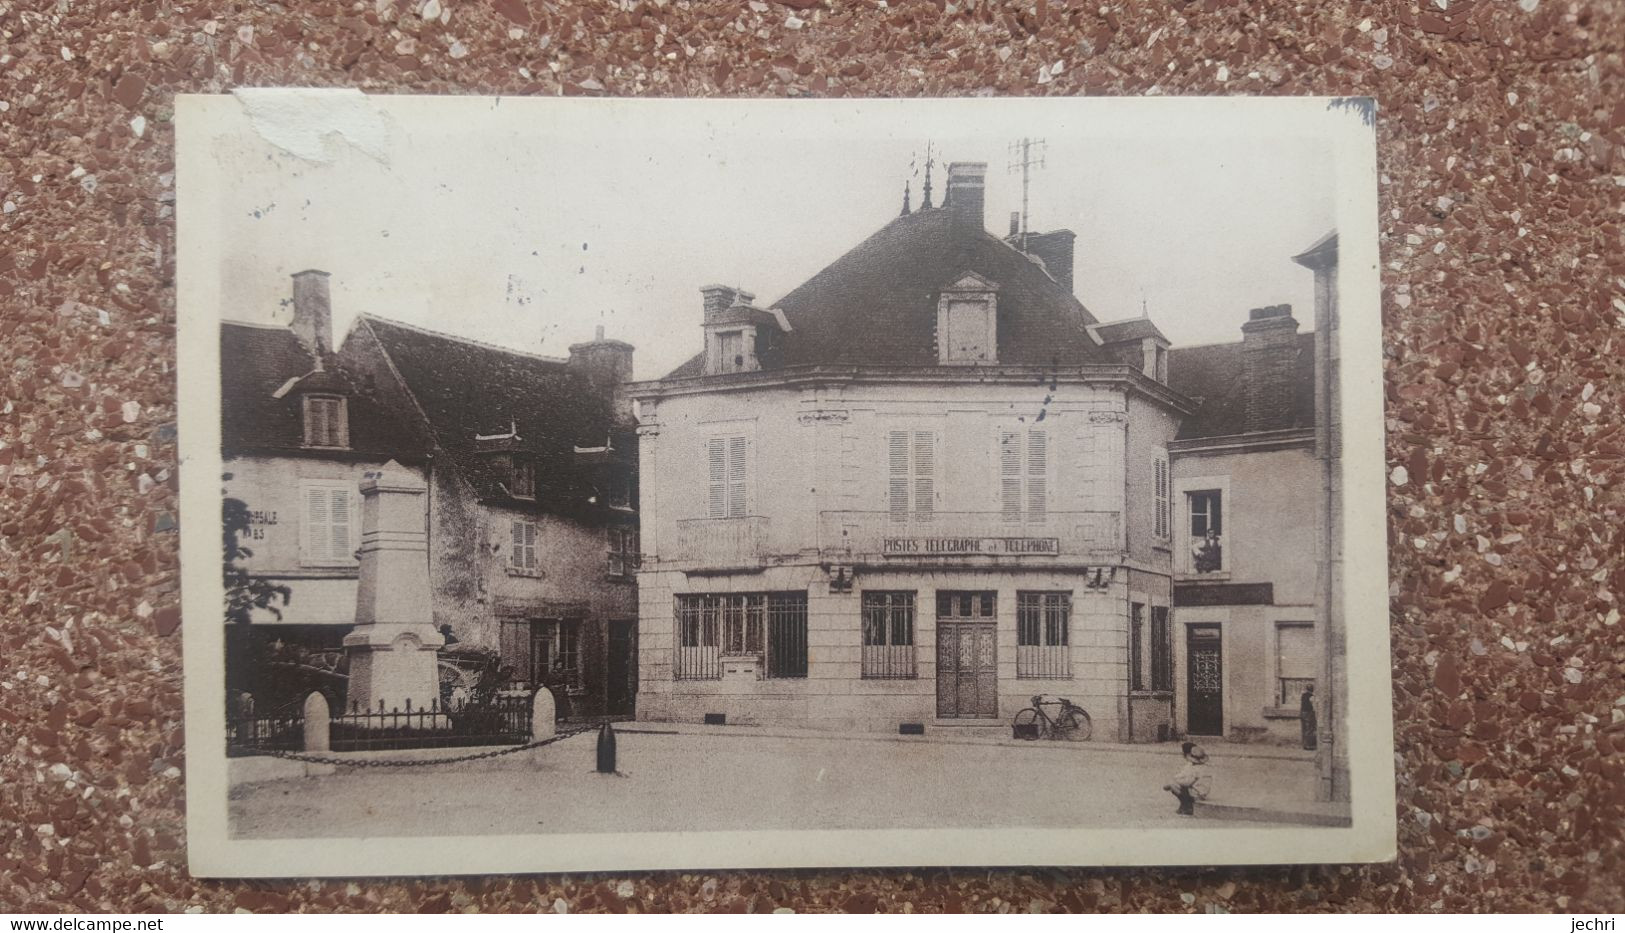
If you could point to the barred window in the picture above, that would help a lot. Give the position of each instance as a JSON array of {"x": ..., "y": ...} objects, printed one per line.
[
  {"x": 888, "y": 634},
  {"x": 1043, "y": 622},
  {"x": 768, "y": 626}
]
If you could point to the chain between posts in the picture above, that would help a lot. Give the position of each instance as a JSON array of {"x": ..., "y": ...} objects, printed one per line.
[{"x": 421, "y": 762}]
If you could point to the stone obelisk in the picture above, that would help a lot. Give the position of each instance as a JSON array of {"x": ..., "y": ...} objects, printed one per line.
[{"x": 392, "y": 649}]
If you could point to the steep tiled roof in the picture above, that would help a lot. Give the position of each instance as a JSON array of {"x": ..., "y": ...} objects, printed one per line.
[
  {"x": 1213, "y": 375},
  {"x": 466, "y": 388},
  {"x": 1135, "y": 328},
  {"x": 877, "y": 305},
  {"x": 257, "y": 360}
]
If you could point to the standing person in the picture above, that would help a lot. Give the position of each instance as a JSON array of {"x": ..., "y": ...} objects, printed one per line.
[
  {"x": 1193, "y": 782},
  {"x": 1306, "y": 717},
  {"x": 558, "y": 681}
]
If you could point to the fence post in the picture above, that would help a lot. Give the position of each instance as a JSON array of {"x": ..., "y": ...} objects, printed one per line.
[
  {"x": 316, "y": 723},
  {"x": 542, "y": 723}
]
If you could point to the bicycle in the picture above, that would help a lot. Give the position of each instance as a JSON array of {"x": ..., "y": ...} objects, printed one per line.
[{"x": 1070, "y": 723}]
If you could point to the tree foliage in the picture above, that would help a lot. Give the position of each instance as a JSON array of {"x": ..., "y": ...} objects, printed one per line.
[{"x": 244, "y": 592}]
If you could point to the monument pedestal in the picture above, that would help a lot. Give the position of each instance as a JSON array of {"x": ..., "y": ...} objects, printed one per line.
[{"x": 393, "y": 648}]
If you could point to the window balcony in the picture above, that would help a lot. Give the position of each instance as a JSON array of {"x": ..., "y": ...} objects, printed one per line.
[
  {"x": 721, "y": 542},
  {"x": 996, "y": 536}
]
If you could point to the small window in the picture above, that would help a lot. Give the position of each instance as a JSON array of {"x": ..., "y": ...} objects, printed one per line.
[
  {"x": 623, "y": 551},
  {"x": 1162, "y": 650},
  {"x": 730, "y": 351},
  {"x": 1206, "y": 530},
  {"x": 1294, "y": 662},
  {"x": 1043, "y": 624},
  {"x": 327, "y": 422},
  {"x": 888, "y": 634},
  {"x": 618, "y": 490},
  {"x": 958, "y": 604},
  {"x": 523, "y": 475},
  {"x": 523, "y": 555}
]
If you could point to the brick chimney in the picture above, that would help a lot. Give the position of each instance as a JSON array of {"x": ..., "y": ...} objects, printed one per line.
[
  {"x": 607, "y": 364},
  {"x": 966, "y": 181},
  {"x": 1269, "y": 353},
  {"x": 313, "y": 313},
  {"x": 722, "y": 297}
]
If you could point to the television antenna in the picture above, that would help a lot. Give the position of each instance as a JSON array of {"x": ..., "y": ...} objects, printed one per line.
[{"x": 1026, "y": 154}]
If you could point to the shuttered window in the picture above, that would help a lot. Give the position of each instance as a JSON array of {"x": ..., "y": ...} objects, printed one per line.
[
  {"x": 1162, "y": 650},
  {"x": 726, "y": 460},
  {"x": 327, "y": 422},
  {"x": 523, "y": 554},
  {"x": 1163, "y": 518},
  {"x": 912, "y": 489},
  {"x": 1024, "y": 474},
  {"x": 329, "y": 524}
]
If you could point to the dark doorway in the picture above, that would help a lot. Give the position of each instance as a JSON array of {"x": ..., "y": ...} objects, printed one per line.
[
  {"x": 622, "y": 668},
  {"x": 1204, "y": 680}
]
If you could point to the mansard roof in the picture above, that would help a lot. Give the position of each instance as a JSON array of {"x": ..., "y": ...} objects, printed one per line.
[{"x": 877, "y": 304}]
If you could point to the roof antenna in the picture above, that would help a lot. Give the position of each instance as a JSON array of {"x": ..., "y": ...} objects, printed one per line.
[
  {"x": 926, "y": 204},
  {"x": 1026, "y": 154}
]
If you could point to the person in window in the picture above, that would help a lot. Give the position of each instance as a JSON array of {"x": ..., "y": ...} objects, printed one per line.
[
  {"x": 1207, "y": 556},
  {"x": 1193, "y": 782}
]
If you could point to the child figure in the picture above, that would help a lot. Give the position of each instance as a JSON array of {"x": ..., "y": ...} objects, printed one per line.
[{"x": 1193, "y": 782}]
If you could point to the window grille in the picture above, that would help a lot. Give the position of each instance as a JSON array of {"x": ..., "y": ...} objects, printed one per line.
[
  {"x": 1043, "y": 624},
  {"x": 888, "y": 635},
  {"x": 769, "y": 626}
]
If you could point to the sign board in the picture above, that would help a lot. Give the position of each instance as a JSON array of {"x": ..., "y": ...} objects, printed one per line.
[{"x": 959, "y": 547}]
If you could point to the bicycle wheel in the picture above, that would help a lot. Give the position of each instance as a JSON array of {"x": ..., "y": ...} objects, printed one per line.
[
  {"x": 1026, "y": 724},
  {"x": 1078, "y": 728}
]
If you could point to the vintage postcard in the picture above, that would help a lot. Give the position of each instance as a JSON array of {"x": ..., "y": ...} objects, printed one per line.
[{"x": 625, "y": 484}]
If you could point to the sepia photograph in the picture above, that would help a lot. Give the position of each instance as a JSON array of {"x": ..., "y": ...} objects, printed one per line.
[{"x": 612, "y": 484}]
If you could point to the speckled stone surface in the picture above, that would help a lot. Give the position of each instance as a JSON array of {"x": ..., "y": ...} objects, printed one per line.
[{"x": 1500, "y": 136}]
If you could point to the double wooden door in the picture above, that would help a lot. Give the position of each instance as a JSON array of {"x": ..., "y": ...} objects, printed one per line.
[{"x": 967, "y": 656}]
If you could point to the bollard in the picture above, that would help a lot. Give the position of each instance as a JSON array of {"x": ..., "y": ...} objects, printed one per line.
[
  {"x": 543, "y": 723},
  {"x": 316, "y": 723},
  {"x": 606, "y": 749}
]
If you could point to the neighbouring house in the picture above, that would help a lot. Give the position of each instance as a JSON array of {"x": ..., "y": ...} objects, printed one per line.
[
  {"x": 919, "y": 489},
  {"x": 531, "y": 466}
]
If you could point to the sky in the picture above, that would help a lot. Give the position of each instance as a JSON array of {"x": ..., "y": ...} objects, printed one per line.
[{"x": 502, "y": 222}]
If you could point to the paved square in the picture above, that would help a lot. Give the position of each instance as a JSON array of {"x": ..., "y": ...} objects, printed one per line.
[{"x": 740, "y": 780}]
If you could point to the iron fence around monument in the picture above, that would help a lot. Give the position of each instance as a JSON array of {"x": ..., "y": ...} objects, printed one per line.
[{"x": 501, "y": 720}]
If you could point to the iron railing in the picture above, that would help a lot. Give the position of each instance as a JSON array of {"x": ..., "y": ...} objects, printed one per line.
[
  {"x": 1043, "y": 661},
  {"x": 889, "y": 662},
  {"x": 503, "y": 720}
]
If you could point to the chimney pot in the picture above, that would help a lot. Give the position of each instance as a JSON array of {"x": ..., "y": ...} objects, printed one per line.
[{"x": 1015, "y": 223}]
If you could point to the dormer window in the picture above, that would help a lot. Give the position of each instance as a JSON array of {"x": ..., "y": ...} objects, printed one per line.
[
  {"x": 618, "y": 495},
  {"x": 967, "y": 322},
  {"x": 327, "y": 421},
  {"x": 728, "y": 352},
  {"x": 522, "y": 483}
]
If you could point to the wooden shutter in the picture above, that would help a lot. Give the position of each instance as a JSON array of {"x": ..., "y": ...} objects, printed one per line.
[
  {"x": 339, "y": 520},
  {"x": 517, "y": 555},
  {"x": 315, "y": 422},
  {"x": 1037, "y": 474},
  {"x": 925, "y": 469},
  {"x": 316, "y": 530},
  {"x": 1010, "y": 475},
  {"x": 736, "y": 477},
  {"x": 897, "y": 489},
  {"x": 716, "y": 456},
  {"x": 1164, "y": 512}
]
